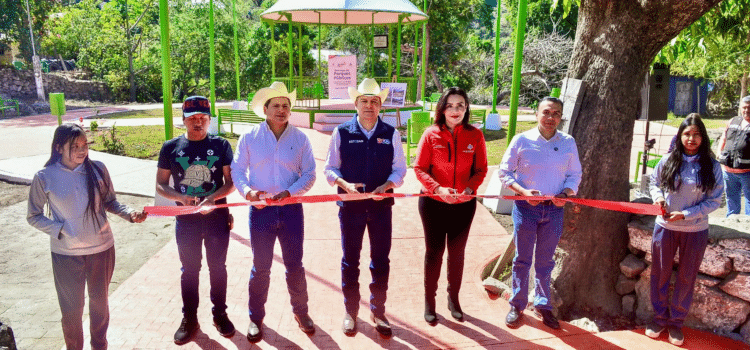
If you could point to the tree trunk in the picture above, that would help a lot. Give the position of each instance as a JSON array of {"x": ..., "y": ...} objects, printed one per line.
[
  {"x": 616, "y": 42},
  {"x": 131, "y": 71}
]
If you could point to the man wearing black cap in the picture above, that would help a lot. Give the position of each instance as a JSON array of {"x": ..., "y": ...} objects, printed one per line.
[{"x": 199, "y": 165}]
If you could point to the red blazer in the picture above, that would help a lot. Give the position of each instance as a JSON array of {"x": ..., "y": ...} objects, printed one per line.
[{"x": 456, "y": 160}]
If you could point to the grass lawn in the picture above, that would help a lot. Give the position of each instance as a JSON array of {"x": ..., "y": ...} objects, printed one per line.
[
  {"x": 717, "y": 123},
  {"x": 144, "y": 142},
  {"x": 149, "y": 113}
]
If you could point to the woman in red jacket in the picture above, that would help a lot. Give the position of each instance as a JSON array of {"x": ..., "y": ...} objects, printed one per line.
[{"x": 451, "y": 163}]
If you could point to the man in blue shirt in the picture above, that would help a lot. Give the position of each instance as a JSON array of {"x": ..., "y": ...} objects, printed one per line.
[
  {"x": 274, "y": 160},
  {"x": 540, "y": 162},
  {"x": 366, "y": 153}
]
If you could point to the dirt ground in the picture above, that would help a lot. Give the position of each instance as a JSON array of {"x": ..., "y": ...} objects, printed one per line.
[{"x": 29, "y": 301}]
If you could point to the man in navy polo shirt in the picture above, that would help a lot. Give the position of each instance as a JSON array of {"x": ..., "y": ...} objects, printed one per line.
[{"x": 365, "y": 155}]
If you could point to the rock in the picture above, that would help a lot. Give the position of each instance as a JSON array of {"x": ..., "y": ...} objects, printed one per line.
[
  {"x": 625, "y": 285},
  {"x": 628, "y": 304},
  {"x": 644, "y": 311},
  {"x": 640, "y": 238},
  {"x": 631, "y": 266},
  {"x": 707, "y": 281},
  {"x": 740, "y": 259},
  {"x": 7, "y": 340},
  {"x": 585, "y": 324},
  {"x": 745, "y": 332},
  {"x": 715, "y": 263},
  {"x": 736, "y": 243},
  {"x": 737, "y": 284},
  {"x": 715, "y": 310}
]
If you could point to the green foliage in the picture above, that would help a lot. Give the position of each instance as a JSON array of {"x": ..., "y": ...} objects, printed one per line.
[
  {"x": 14, "y": 23},
  {"x": 547, "y": 16},
  {"x": 716, "y": 47},
  {"x": 93, "y": 126},
  {"x": 113, "y": 144}
]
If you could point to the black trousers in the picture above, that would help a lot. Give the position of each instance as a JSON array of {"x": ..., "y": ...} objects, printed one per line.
[{"x": 445, "y": 224}]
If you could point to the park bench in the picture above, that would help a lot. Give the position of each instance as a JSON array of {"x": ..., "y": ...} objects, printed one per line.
[
  {"x": 9, "y": 104},
  {"x": 232, "y": 116}
]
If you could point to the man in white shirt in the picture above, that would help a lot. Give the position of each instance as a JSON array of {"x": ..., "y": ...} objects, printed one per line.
[
  {"x": 273, "y": 161},
  {"x": 539, "y": 162},
  {"x": 365, "y": 154}
]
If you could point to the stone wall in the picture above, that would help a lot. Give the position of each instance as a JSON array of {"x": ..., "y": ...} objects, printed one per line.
[
  {"x": 20, "y": 84},
  {"x": 721, "y": 299}
]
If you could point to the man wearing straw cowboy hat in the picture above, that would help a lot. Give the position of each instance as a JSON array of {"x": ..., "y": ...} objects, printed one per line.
[
  {"x": 365, "y": 155},
  {"x": 274, "y": 160}
]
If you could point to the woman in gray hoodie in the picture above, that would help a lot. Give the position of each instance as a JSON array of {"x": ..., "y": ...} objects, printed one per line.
[{"x": 77, "y": 191}]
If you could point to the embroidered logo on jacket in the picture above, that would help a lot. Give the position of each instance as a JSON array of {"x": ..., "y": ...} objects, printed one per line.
[{"x": 384, "y": 141}]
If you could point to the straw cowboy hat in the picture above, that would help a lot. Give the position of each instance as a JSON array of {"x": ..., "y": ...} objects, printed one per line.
[
  {"x": 368, "y": 87},
  {"x": 277, "y": 89}
]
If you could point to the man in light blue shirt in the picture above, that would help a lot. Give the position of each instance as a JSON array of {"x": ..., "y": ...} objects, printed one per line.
[
  {"x": 540, "y": 162},
  {"x": 274, "y": 160}
]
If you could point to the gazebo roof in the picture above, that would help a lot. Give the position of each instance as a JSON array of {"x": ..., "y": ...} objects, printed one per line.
[{"x": 344, "y": 12}]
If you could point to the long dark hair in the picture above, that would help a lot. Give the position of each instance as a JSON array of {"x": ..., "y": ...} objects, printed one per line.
[
  {"x": 440, "y": 108},
  {"x": 67, "y": 134},
  {"x": 671, "y": 170}
]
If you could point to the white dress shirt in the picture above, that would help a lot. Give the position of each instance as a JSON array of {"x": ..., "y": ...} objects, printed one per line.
[
  {"x": 333, "y": 159},
  {"x": 262, "y": 163},
  {"x": 549, "y": 166}
]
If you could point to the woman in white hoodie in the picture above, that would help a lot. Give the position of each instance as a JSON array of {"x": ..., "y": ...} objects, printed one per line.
[{"x": 77, "y": 191}]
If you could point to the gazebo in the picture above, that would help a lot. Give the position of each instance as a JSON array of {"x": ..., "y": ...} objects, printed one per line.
[
  {"x": 309, "y": 12},
  {"x": 297, "y": 13}
]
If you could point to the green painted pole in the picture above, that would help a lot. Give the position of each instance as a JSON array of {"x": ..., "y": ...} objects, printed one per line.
[
  {"x": 299, "y": 58},
  {"x": 290, "y": 34},
  {"x": 423, "y": 78},
  {"x": 517, "y": 61},
  {"x": 390, "y": 51},
  {"x": 320, "y": 63},
  {"x": 495, "y": 70},
  {"x": 372, "y": 51},
  {"x": 236, "y": 52},
  {"x": 398, "y": 48},
  {"x": 273, "y": 51},
  {"x": 211, "y": 56},
  {"x": 166, "y": 68}
]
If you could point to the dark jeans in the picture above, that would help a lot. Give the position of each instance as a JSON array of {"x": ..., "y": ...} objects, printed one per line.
[
  {"x": 193, "y": 232},
  {"x": 664, "y": 245},
  {"x": 443, "y": 223},
  {"x": 378, "y": 221},
  {"x": 266, "y": 225},
  {"x": 72, "y": 274}
]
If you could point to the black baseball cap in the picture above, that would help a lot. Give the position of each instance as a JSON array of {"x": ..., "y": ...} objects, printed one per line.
[{"x": 195, "y": 105}]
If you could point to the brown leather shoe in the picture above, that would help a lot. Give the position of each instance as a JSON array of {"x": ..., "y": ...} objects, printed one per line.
[
  {"x": 350, "y": 325},
  {"x": 382, "y": 326},
  {"x": 305, "y": 323}
]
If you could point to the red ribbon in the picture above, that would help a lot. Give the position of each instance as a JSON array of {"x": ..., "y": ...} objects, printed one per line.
[{"x": 635, "y": 208}]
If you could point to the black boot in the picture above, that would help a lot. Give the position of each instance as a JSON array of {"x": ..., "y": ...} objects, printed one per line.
[
  {"x": 455, "y": 308},
  {"x": 429, "y": 311}
]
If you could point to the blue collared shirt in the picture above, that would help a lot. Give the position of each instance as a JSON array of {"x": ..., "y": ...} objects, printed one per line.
[
  {"x": 694, "y": 204},
  {"x": 535, "y": 163},
  {"x": 262, "y": 163}
]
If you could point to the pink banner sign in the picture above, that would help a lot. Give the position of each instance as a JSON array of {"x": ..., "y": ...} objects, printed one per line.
[{"x": 342, "y": 73}]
